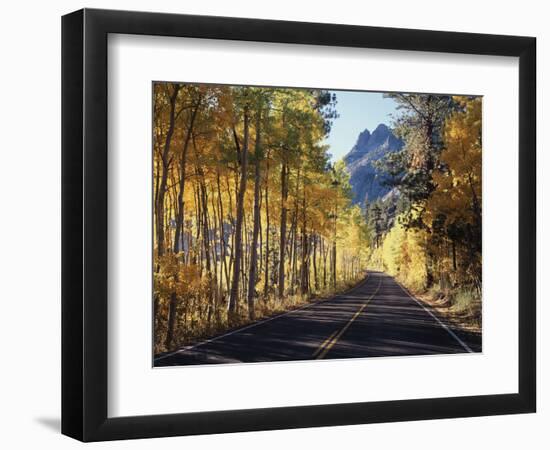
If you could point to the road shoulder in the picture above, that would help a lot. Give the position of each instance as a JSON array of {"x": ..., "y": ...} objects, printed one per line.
[{"x": 471, "y": 337}]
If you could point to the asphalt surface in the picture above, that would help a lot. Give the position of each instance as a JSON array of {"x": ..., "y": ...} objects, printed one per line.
[{"x": 376, "y": 318}]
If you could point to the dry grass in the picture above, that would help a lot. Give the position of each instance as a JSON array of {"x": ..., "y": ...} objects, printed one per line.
[
  {"x": 198, "y": 328},
  {"x": 461, "y": 307}
]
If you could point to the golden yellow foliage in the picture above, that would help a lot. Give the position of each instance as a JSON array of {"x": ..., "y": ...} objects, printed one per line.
[
  {"x": 403, "y": 255},
  {"x": 458, "y": 185}
]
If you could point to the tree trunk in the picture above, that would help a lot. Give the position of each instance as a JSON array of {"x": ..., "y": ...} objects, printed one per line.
[
  {"x": 211, "y": 274},
  {"x": 266, "y": 282},
  {"x": 183, "y": 162},
  {"x": 160, "y": 209},
  {"x": 282, "y": 245},
  {"x": 316, "y": 282},
  {"x": 454, "y": 254},
  {"x": 256, "y": 226},
  {"x": 333, "y": 261},
  {"x": 324, "y": 254},
  {"x": 232, "y": 237},
  {"x": 304, "y": 267},
  {"x": 164, "y": 178},
  {"x": 233, "y": 298},
  {"x": 222, "y": 233}
]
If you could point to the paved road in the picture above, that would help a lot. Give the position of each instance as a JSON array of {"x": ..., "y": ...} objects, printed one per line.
[{"x": 376, "y": 318}]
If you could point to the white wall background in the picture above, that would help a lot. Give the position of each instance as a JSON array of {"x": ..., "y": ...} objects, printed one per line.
[{"x": 30, "y": 222}]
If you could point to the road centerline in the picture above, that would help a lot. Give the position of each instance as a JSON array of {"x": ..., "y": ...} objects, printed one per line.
[
  {"x": 335, "y": 338},
  {"x": 325, "y": 342}
]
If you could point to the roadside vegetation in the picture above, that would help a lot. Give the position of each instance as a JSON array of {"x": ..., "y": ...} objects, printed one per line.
[
  {"x": 430, "y": 238},
  {"x": 250, "y": 217}
]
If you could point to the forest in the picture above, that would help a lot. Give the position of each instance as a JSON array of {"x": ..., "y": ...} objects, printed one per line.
[
  {"x": 251, "y": 216},
  {"x": 429, "y": 236}
]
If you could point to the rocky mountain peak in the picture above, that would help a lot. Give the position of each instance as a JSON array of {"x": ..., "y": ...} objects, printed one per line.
[{"x": 366, "y": 180}]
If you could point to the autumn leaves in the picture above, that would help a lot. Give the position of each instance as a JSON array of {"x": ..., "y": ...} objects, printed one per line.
[
  {"x": 433, "y": 239},
  {"x": 250, "y": 217}
]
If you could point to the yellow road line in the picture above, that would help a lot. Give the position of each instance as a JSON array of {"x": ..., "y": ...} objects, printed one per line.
[
  {"x": 325, "y": 342},
  {"x": 332, "y": 340}
]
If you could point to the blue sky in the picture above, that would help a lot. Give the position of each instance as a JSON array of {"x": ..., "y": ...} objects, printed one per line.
[{"x": 357, "y": 110}]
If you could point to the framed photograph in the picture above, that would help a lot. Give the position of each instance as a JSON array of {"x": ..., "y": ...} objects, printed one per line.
[{"x": 273, "y": 224}]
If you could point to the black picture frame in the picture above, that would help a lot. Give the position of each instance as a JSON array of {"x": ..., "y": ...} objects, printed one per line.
[{"x": 84, "y": 224}]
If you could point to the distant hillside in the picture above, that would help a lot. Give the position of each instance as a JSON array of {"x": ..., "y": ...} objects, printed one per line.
[{"x": 367, "y": 181}]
